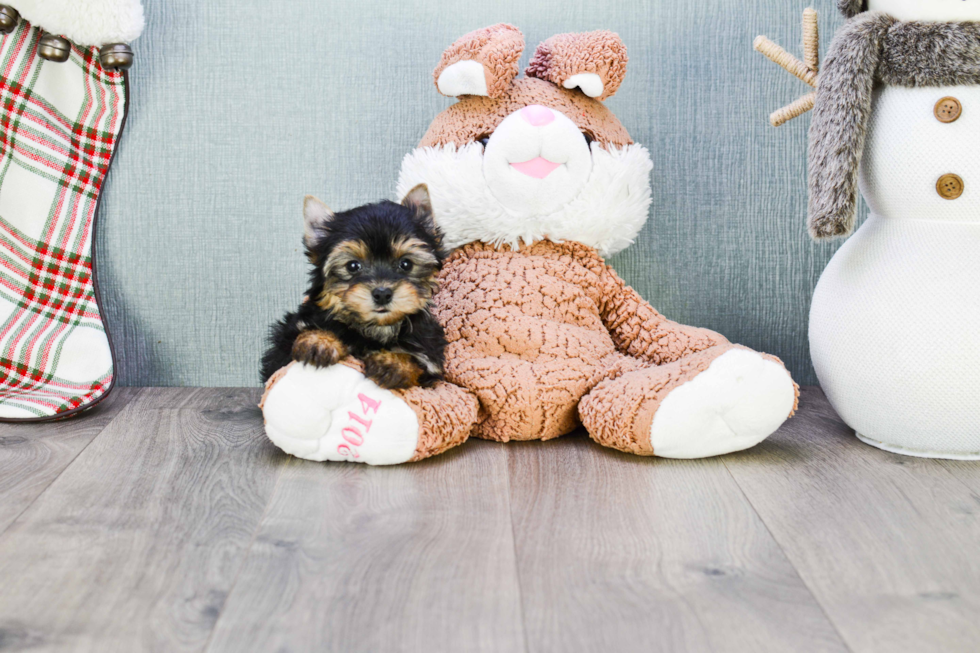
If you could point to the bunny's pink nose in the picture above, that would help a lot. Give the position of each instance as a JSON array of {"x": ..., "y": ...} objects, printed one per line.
[{"x": 537, "y": 115}]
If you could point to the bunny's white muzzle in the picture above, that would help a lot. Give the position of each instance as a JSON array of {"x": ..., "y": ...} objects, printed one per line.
[{"x": 536, "y": 161}]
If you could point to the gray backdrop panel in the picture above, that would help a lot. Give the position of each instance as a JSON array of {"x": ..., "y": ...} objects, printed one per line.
[{"x": 240, "y": 107}]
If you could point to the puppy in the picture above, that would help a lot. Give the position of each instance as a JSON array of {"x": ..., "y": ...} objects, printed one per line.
[{"x": 371, "y": 285}]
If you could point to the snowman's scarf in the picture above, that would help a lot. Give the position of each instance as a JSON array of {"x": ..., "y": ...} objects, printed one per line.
[
  {"x": 873, "y": 48},
  {"x": 851, "y": 8}
]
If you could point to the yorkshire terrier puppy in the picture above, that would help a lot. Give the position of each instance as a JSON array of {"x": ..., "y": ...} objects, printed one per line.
[{"x": 371, "y": 285}]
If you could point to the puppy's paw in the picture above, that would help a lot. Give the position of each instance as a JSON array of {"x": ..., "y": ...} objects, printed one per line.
[
  {"x": 318, "y": 348},
  {"x": 392, "y": 370}
]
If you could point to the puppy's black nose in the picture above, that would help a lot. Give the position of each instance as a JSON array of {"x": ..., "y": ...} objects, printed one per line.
[{"x": 381, "y": 296}]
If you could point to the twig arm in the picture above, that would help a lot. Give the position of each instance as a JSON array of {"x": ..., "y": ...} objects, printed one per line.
[
  {"x": 794, "y": 110},
  {"x": 811, "y": 40},
  {"x": 807, "y": 70},
  {"x": 778, "y": 55}
]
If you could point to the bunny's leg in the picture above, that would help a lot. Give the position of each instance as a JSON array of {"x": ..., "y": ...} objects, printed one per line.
[
  {"x": 336, "y": 413},
  {"x": 722, "y": 399}
]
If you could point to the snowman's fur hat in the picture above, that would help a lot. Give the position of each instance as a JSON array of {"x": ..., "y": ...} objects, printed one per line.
[
  {"x": 851, "y": 8},
  {"x": 85, "y": 22}
]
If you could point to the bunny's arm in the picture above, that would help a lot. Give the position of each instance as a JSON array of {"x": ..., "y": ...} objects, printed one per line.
[{"x": 638, "y": 330}]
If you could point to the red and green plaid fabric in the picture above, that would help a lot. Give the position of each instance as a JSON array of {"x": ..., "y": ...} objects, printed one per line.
[{"x": 59, "y": 125}]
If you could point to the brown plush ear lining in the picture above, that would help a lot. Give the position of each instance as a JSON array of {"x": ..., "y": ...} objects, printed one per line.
[
  {"x": 601, "y": 52},
  {"x": 498, "y": 48},
  {"x": 852, "y": 8}
]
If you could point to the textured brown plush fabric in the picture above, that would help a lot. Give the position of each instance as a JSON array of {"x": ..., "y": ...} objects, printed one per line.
[
  {"x": 446, "y": 415},
  {"x": 497, "y": 47},
  {"x": 474, "y": 117},
  {"x": 601, "y": 52},
  {"x": 619, "y": 412},
  {"x": 533, "y": 331}
]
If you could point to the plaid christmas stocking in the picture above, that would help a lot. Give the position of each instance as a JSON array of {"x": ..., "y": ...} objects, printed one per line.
[{"x": 59, "y": 126}]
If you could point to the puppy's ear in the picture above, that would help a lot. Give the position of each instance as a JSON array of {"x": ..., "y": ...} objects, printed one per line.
[
  {"x": 419, "y": 201},
  {"x": 316, "y": 217}
]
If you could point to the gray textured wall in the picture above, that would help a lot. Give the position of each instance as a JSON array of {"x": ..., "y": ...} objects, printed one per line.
[{"x": 240, "y": 107}]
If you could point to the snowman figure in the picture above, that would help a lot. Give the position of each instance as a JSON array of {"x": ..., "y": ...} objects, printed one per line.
[{"x": 895, "y": 319}]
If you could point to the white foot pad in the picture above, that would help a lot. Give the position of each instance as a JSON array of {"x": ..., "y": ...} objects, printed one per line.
[
  {"x": 335, "y": 413},
  {"x": 739, "y": 401}
]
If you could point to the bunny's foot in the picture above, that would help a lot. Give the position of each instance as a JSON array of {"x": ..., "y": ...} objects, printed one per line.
[
  {"x": 724, "y": 399},
  {"x": 337, "y": 414}
]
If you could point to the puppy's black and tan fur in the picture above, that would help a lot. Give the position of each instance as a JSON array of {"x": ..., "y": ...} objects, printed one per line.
[{"x": 371, "y": 285}]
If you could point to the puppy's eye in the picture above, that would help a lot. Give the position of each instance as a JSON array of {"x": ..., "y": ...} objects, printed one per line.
[
  {"x": 484, "y": 141},
  {"x": 405, "y": 265},
  {"x": 353, "y": 267},
  {"x": 588, "y": 139}
]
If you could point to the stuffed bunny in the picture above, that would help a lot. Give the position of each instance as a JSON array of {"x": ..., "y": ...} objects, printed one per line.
[
  {"x": 894, "y": 321},
  {"x": 533, "y": 181}
]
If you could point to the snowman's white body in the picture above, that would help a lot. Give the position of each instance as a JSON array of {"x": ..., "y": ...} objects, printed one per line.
[{"x": 895, "y": 319}]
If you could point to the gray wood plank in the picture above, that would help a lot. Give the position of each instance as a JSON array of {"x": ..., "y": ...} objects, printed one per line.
[
  {"x": 966, "y": 471},
  {"x": 32, "y": 455},
  {"x": 209, "y": 401},
  {"x": 135, "y": 546},
  {"x": 621, "y": 553},
  {"x": 412, "y": 558},
  {"x": 887, "y": 544}
]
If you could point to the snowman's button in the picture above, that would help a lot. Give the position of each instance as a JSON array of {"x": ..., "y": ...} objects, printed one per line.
[
  {"x": 948, "y": 109},
  {"x": 950, "y": 186}
]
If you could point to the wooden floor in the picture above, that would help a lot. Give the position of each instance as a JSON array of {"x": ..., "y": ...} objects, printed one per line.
[{"x": 165, "y": 521}]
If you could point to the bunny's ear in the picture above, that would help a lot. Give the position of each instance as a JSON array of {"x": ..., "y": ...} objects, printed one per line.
[
  {"x": 593, "y": 61},
  {"x": 483, "y": 62}
]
